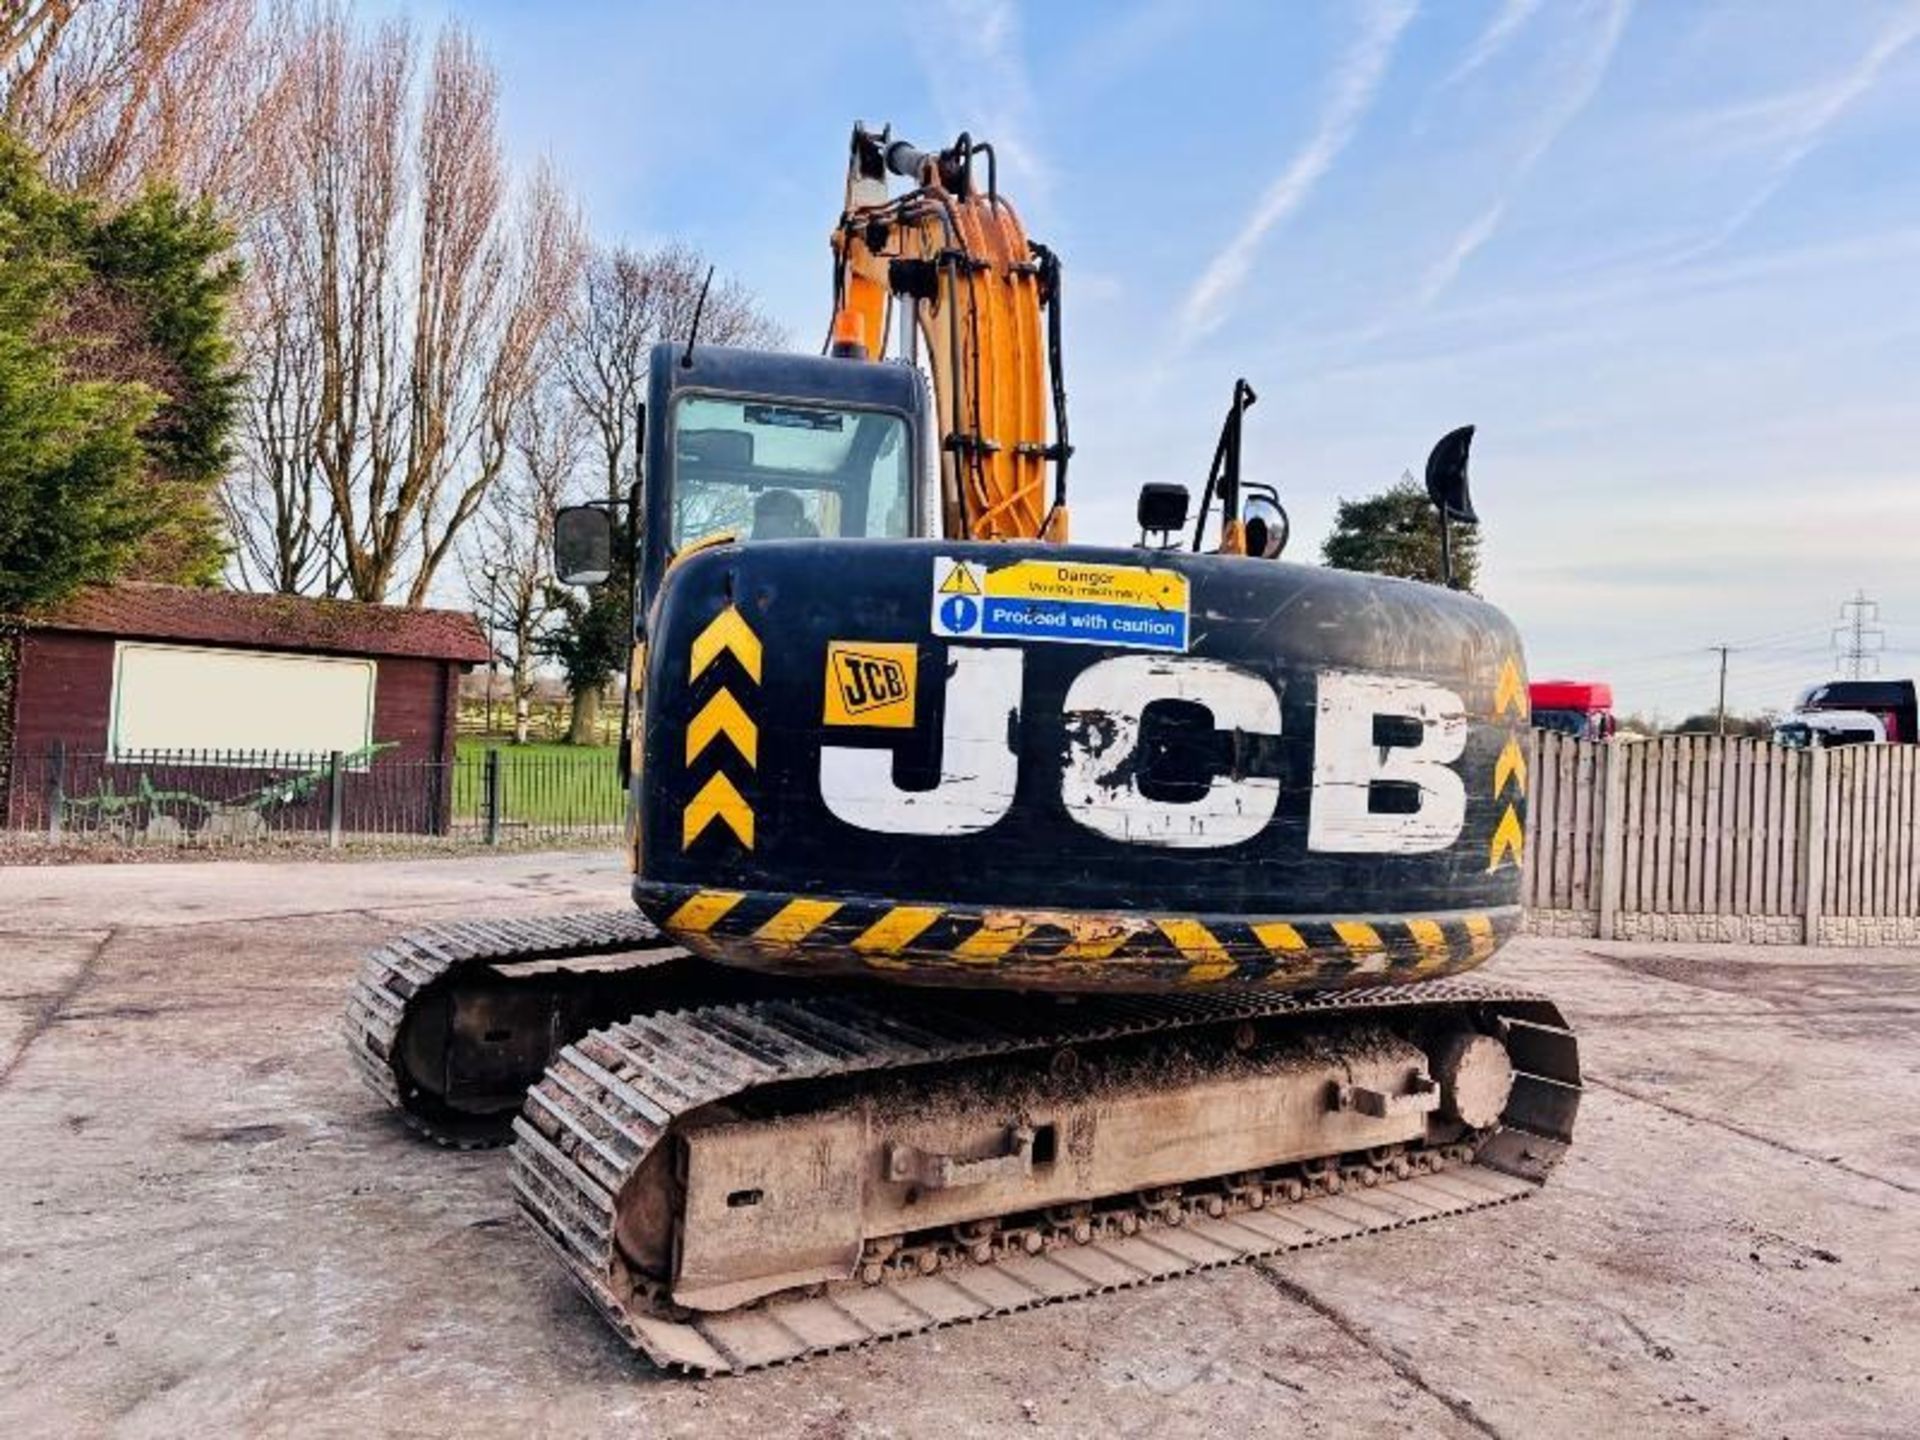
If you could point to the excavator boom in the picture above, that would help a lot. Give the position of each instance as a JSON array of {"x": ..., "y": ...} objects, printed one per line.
[{"x": 984, "y": 303}]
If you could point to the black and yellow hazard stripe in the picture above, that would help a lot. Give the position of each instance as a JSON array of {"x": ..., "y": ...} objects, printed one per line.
[
  {"x": 1509, "y": 841},
  {"x": 1051, "y": 949},
  {"x": 719, "y": 798}
]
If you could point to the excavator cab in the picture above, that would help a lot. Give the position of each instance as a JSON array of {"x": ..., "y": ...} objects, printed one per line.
[{"x": 748, "y": 445}]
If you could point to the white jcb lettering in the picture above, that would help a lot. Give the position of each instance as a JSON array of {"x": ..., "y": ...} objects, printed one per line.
[
  {"x": 1348, "y": 762},
  {"x": 1377, "y": 788},
  {"x": 1101, "y": 787},
  {"x": 978, "y": 767}
]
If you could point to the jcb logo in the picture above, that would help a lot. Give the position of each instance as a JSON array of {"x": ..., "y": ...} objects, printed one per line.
[
  {"x": 1100, "y": 783},
  {"x": 870, "y": 684}
]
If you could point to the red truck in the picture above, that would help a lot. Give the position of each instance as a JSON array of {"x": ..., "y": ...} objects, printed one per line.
[{"x": 1581, "y": 708}]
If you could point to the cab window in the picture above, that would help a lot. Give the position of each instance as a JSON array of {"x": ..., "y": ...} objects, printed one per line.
[{"x": 788, "y": 470}]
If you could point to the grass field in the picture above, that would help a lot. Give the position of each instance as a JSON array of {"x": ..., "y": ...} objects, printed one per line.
[{"x": 540, "y": 784}]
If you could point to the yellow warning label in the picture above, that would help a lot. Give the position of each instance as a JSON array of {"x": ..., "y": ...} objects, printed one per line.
[
  {"x": 1129, "y": 585},
  {"x": 960, "y": 581},
  {"x": 870, "y": 683}
]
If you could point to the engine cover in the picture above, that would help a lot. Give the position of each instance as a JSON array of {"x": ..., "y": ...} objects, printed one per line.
[{"x": 1077, "y": 768}]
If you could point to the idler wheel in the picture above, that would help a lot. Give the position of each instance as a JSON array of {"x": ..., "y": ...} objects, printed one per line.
[{"x": 1475, "y": 1076}]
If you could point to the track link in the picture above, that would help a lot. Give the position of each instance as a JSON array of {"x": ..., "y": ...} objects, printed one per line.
[
  {"x": 612, "y": 1097},
  {"x": 402, "y": 976}
]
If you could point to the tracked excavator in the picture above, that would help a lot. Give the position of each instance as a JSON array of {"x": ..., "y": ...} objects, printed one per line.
[{"x": 1012, "y": 920}]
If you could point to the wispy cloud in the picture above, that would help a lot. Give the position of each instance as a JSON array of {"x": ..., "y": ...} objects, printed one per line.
[
  {"x": 1520, "y": 322},
  {"x": 1574, "y": 98},
  {"x": 1355, "y": 83},
  {"x": 1801, "y": 119},
  {"x": 971, "y": 53},
  {"x": 1500, "y": 31},
  {"x": 1121, "y": 44}
]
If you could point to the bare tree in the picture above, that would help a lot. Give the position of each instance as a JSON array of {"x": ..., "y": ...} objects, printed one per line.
[
  {"x": 278, "y": 510},
  {"x": 626, "y": 301},
  {"x": 508, "y": 556},
  {"x": 407, "y": 294},
  {"x": 115, "y": 94}
]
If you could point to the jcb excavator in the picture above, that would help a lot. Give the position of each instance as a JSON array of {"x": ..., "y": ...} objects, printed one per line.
[{"x": 1012, "y": 921}]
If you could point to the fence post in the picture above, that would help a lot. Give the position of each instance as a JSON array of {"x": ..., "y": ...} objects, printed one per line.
[
  {"x": 334, "y": 799},
  {"x": 1613, "y": 836},
  {"x": 57, "y": 791},
  {"x": 493, "y": 796},
  {"x": 1813, "y": 836}
]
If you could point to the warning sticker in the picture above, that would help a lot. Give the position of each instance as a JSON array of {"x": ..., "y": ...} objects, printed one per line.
[
  {"x": 960, "y": 580},
  {"x": 1133, "y": 606},
  {"x": 870, "y": 683}
]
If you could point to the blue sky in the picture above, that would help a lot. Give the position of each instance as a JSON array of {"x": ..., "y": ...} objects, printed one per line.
[{"x": 1665, "y": 255}]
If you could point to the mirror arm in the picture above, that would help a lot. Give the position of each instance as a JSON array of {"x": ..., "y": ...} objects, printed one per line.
[
  {"x": 1223, "y": 478},
  {"x": 1243, "y": 397},
  {"x": 1447, "y": 489}
]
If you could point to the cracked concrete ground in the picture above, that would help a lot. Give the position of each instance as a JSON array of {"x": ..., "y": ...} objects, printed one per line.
[{"x": 207, "y": 1227}]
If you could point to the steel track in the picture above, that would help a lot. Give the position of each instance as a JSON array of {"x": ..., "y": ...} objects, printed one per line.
[
  {"x": 611, "y": 1098},
  {"x": 403, "y": 975}
]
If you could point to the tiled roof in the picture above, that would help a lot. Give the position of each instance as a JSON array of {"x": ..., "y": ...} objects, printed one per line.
[{"x": 140, "y": 611}]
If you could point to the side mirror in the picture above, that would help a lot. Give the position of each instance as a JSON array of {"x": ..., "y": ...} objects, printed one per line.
[
  {"x": 1162, "y": 508},
  {"x": 582, "y": 545},
  {"x": 1264, "y": 521}
]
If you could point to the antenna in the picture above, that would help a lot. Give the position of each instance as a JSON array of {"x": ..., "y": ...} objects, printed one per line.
[{"x": 693, "y": 330}]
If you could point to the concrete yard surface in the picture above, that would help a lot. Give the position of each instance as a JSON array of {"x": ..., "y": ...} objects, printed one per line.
[{"x": 207, "y": 1227}]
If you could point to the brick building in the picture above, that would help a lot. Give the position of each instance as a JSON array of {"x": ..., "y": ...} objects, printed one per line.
[{"x": 124, "y": 673}]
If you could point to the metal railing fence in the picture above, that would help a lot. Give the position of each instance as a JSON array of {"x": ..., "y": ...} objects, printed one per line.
[{"x": 226, "y": 797}]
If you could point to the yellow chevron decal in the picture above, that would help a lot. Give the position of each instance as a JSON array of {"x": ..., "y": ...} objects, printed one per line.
[
  {"x": 797, "y": 920},
  {"x": 1363, "y": 941},
  {"x": 894, "y": 930},
  {"x": 996, "y": 936},
  {"x": 717, "y": 800},
  {"x": 728, "y": 632},
  {"x": 1481, "y": 930},
  {"x": 1508, "y": 840},
  {"x": 722, "y": 715},
  {"x": 1512, "y": 764},
  {"x": 1198, "y": 944},
  {"x": 1431, "y": 939},
  {"x": 1277, "y": 935},
  {"x": 1357, "y": 934},
  {"x": 1512, "y": 691},
  {"x": 703, "y": 909},
  {"x": 1095, "y": 939}
]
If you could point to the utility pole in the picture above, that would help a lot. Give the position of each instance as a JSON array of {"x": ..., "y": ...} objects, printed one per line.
[
  {"x": 492, "y": 577},
  {"x": 1857, "y": 639},
  {"x": 1720, "y": 709}
]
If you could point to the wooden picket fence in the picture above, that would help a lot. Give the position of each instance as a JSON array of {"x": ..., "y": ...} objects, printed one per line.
[{"x": 1701, "y": 825}]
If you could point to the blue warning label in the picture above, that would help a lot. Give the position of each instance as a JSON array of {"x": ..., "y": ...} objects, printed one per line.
[{"x": 1135, "y": 607}]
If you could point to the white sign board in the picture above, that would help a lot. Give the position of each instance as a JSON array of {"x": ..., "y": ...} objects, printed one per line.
[{"x": 171, "y": 697}]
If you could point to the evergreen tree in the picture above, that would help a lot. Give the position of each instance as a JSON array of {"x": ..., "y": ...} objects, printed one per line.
[
  {"x": 170, "y": 260},
  {"x": 593, "y": 642},
  {"x": 116, "y": 394},
  {"x": 1395, "y": 533}
]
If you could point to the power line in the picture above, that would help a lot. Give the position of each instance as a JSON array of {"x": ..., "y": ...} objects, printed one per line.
[
  {"x": 1858, "y": 639},
  {"x": 1665, "y": 659}
]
